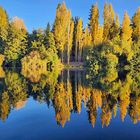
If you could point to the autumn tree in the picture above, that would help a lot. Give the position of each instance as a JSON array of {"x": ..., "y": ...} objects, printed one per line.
[
  {"x": 60, "y": 27},
  {"x": 99, "y": 36},
  {"x": 3, "y": 28},
  {"x": 126, "y": 37},
  {"x": 108, "y": 20},
  {"x": 136, "y": 25},
  {"x": 69, "y": 39},
  {"x": 78, "y": 38},
  {"x": 94, "y": 23},
  {"x": 4, "y": 106},
  {"x": 62, "y": 104},
  {"x": 87, "y": 42}
]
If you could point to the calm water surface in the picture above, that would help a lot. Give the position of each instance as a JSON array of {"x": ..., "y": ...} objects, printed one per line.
[{"x": 64, "y": 107}]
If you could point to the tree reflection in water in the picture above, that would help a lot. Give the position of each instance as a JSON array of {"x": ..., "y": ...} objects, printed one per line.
[{"x": 68, "y": 91}]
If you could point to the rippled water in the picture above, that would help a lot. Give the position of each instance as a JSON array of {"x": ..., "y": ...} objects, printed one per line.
[{"x": 64, "y": 106}]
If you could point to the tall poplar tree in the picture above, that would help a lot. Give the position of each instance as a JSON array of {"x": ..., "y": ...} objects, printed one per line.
[
  {"x": 99, "y": 36},
  {"x": 108, "y": 20},
  {"x": 136, "y": 25},
  {"x": 78, "y": 38},
  {"x": 117, "y": 21},
  {"x": 126, "y": 37},
  {"x": 69, "y": 40},
  {"x": 60, "y": 28},
  {"x": 112, "y": 13},
  {"x": 3, "y": 28},
  {"x": 94, "y": 23},
  {"x": 87, "y": 42}
]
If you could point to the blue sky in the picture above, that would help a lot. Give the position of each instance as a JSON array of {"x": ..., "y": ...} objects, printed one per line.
[{"x": 36, "y": 13}]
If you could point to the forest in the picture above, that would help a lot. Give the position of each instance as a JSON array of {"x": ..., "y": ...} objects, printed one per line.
[
  {"x": 110, "y": 53},
  {"x": 66, "y": 41}
]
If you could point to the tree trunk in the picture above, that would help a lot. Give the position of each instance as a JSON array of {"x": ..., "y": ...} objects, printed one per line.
[
  {"x": 62, "y": 56},
  {"x": 76, "y": 52},
  {"x": 68, "y": 80},
  {"x": 68, "y": 56},
  {"x": 68, "y": 49}
]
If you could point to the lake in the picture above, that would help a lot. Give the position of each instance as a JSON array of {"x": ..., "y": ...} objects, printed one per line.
[{"x": 65, "y": 106}]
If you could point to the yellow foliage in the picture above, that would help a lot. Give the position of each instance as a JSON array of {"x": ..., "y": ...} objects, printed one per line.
[{"x": 1, "y": 59}]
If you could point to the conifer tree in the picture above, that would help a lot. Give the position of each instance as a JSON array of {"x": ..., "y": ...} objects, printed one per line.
[
  {"x": 49, "y": 42},
  {"x": 15, "y": 46},
  {"x": 49, "y": 39}
]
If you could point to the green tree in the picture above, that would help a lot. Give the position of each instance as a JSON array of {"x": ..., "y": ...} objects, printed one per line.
[
  {"x": 16, "y": 42},
  {"x": 16, "y": 87},
  {"x": 49, "y": 39}
]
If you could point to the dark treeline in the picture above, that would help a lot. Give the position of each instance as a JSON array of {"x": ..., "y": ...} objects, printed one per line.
[{"x": 67, "y": 38}]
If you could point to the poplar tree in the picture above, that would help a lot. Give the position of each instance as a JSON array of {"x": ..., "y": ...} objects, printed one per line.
[
  {"x": 60, "y": 28},
  {"x": 126, "y": 36},
  {"x": 3, "y": 28},
  {"x": 108, "y": 20},
  {"x": 114, "y": 36},
  {"x": 87, "y": 39},
  {"x": 78, "y": 38},
  {"x": 99, "y": 36},
  {"x": 117, "y": 21},
  {"x": 114, "y": 31},
  {"x": 69, "y": 40},
  {"x": 94, "y": 23},
  {"x": 112, "y": 13},
  {"x": 106, "y": 23},
  {"x": 136, "y": 25},
  {"x": 87, "y": 42}
]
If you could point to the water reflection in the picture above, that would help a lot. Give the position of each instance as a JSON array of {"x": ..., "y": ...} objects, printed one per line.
[{"x": 67, "y": 92}]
